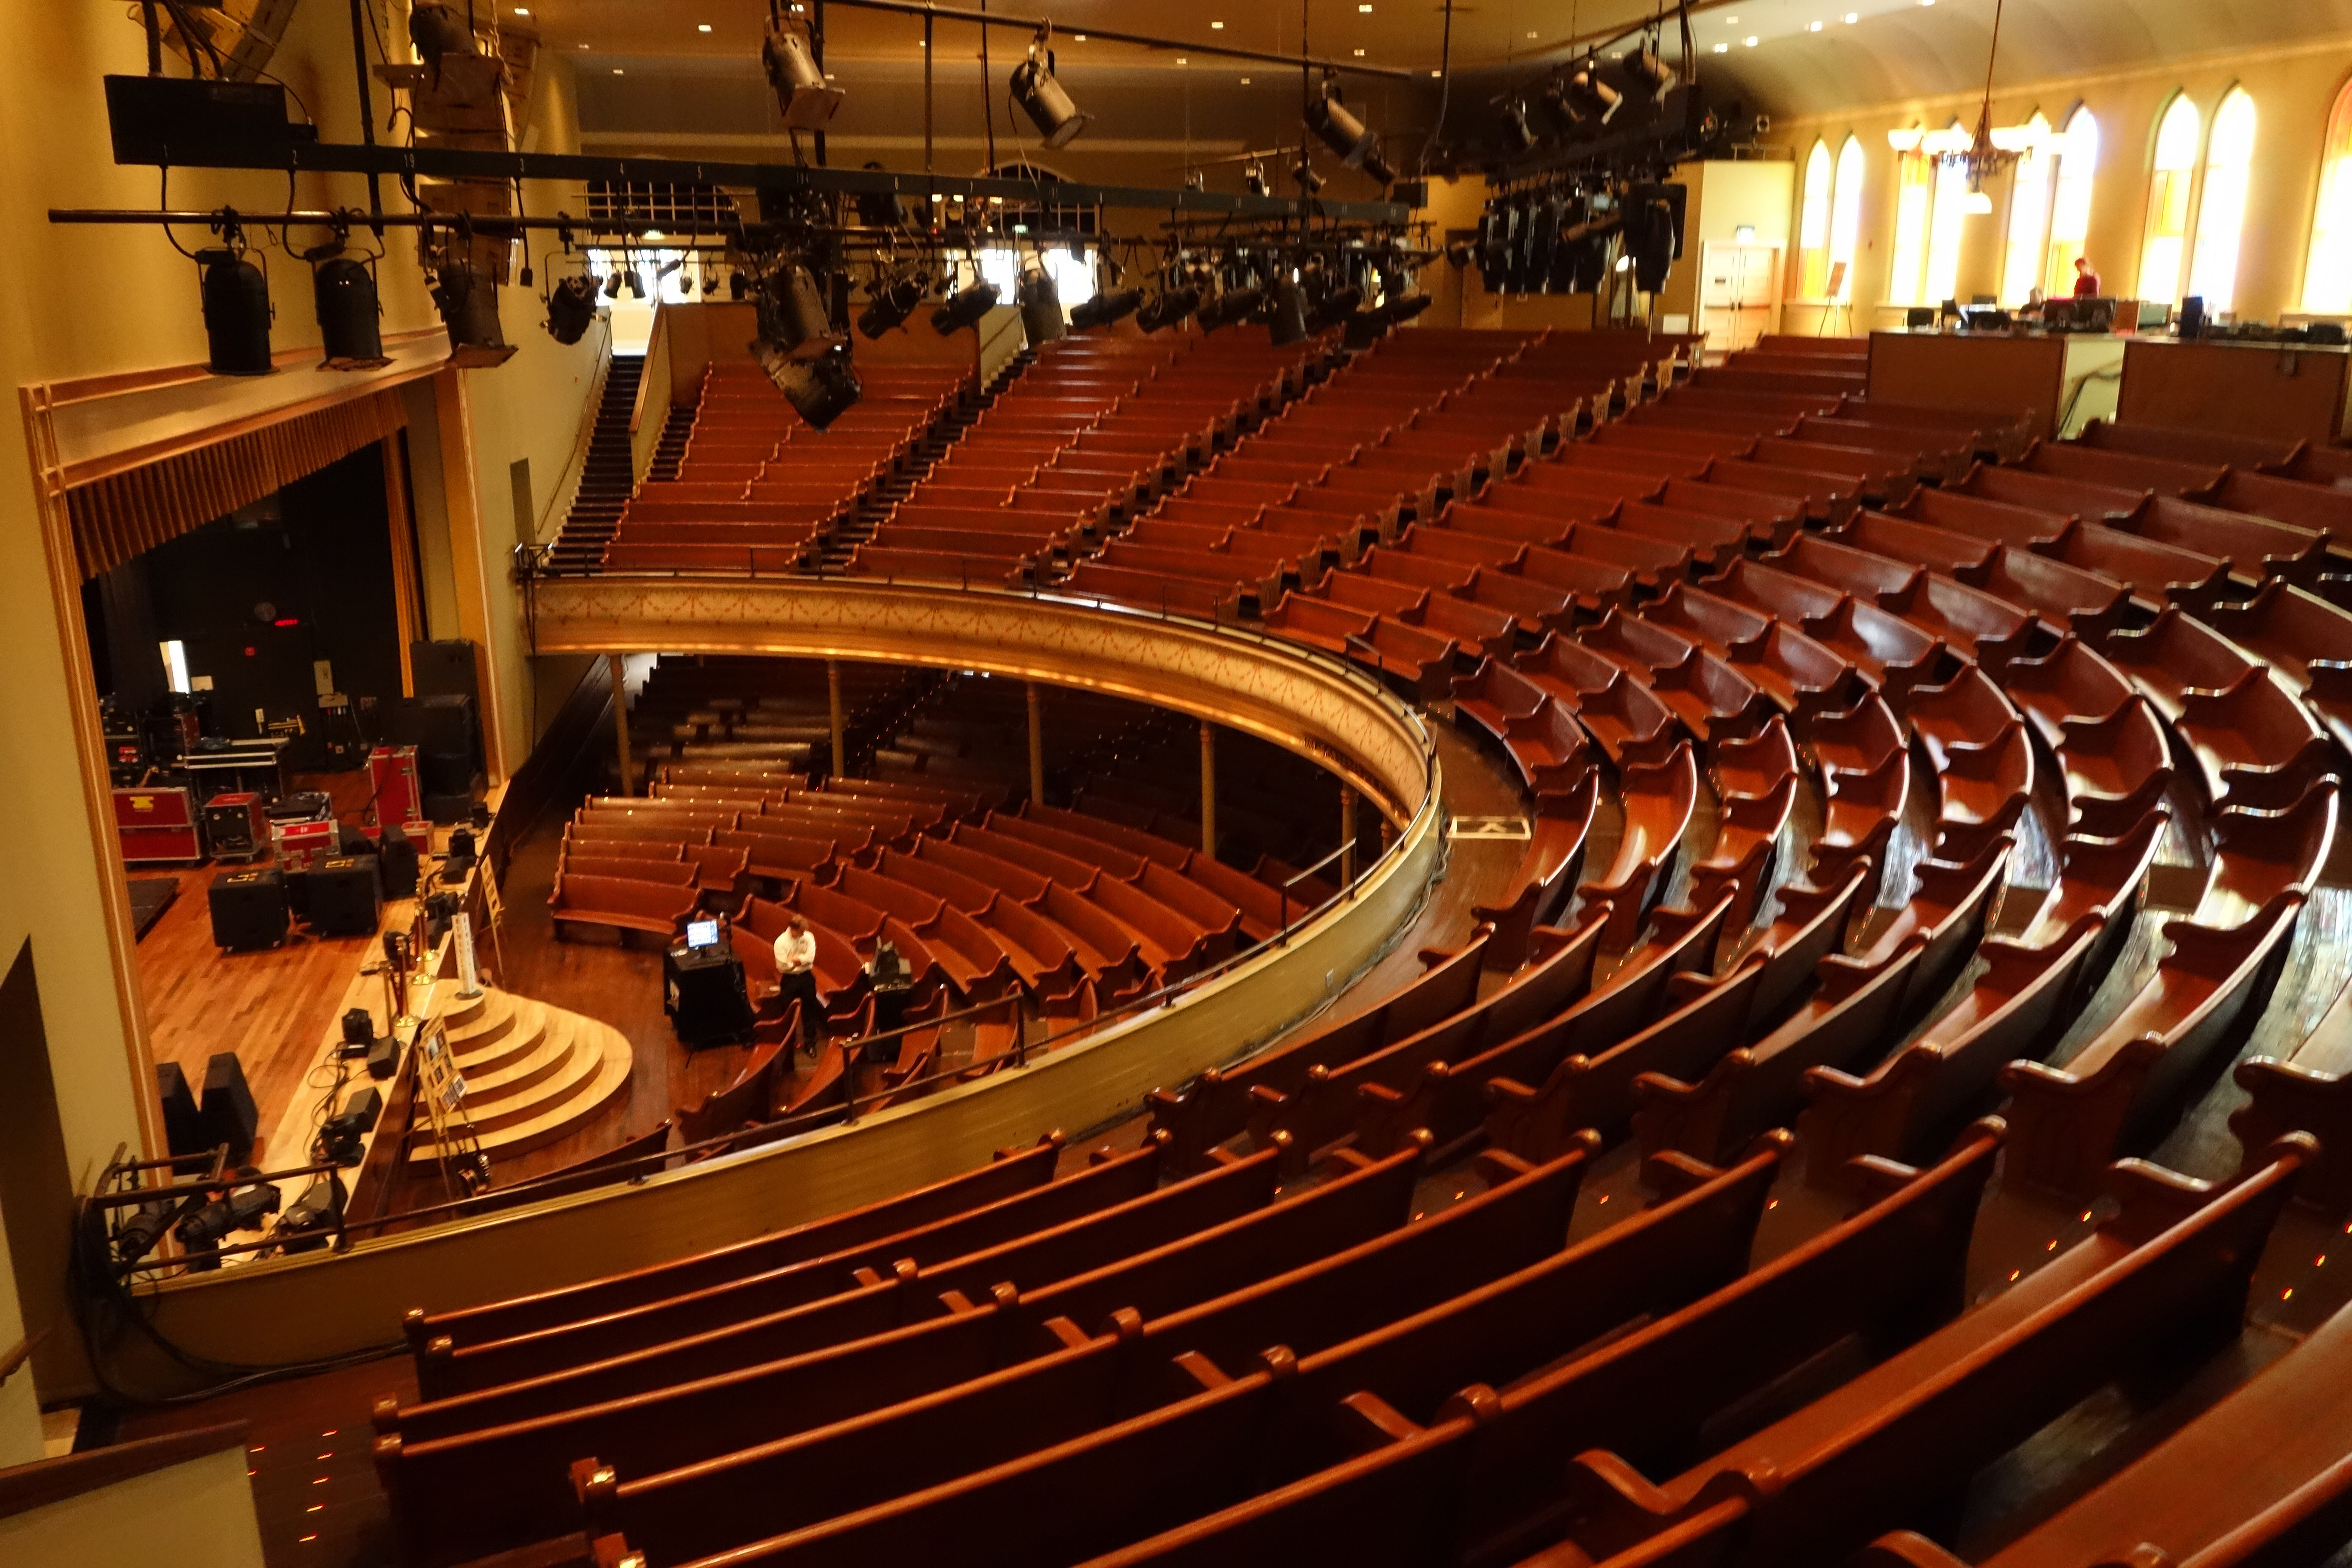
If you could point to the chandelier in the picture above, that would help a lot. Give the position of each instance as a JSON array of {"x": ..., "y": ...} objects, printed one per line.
[{"x": 1991, "y": 151}]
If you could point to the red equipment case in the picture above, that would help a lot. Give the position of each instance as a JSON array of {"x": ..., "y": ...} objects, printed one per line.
[
  {"x": 158, "y": 827},
  {"x": 236, "y": 827},
  {"x": 392, "y": 774}
]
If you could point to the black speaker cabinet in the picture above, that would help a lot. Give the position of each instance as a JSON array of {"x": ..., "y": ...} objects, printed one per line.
[
  {"x": 444, "y": 669},
  {"x": 249, "y": 909},
  {"x": 227, "y": 1114},
  {"x": 346, "y": 895},
  {"x": 704, "y": 994},
  {"x": 397, "y": 858},
  {"x": 184, "y": 1132}
]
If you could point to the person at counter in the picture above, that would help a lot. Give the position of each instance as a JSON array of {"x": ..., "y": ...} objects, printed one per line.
[{"x": 2087, "y": 282}]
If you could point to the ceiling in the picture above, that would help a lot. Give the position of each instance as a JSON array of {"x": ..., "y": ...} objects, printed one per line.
[{"x": 648, "y": 72}]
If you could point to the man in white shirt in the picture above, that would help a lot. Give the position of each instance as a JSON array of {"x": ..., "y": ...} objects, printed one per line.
[{"x": 796, "y": 977}]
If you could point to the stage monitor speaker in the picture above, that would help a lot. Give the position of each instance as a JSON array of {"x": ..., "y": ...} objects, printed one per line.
[
  {"x": 444, "y": 668},
  {"x": 396, "y": 858},
  {"x": 184, "y": 1132},
  {"x": 227, "y": 1114},
  {"x": 346, "y": 895},
  {"x": 249, "y": 909}
]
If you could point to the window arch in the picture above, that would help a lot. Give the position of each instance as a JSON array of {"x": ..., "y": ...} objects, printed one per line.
[
  {"x": 2327, "y": 273},
  {"x": 1845, "y": 216},
  {"x": 2029, "y": 216},
  {"x": 2070, "y": 203},
  {"x": 2221, "y": 207},
  {"x": 2165, "y": 249},
  {"x": 1813, "y": 225},
  {"x": 1947, "y": 225},
  {"x": 1914, "y": 181}
]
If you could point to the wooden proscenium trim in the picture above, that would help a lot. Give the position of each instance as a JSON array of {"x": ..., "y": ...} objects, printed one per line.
[{"x": 23, "y": 1487}]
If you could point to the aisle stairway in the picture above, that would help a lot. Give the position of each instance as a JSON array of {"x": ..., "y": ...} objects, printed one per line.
[
  {"x": 534, "y": 1073},
  {"x": 607, "y": 475},
  {"x": 856, "y": 527}
]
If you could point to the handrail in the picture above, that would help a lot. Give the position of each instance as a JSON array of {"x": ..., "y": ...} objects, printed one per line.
[{"x": 46, "y": 1481}]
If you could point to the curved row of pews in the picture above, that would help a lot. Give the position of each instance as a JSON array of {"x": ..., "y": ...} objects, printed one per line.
[{"x": 1884, "y": 768}]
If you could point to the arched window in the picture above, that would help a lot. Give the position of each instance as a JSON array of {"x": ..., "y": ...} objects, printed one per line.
[
  {"x": 1845, "y": 218},
  {"x": 2327, "y": 275},
  {"x": 1914, "y": 181},
  {"x": 2029, "y": 216},
  {"x": 1947, "y": 224},
  {"x": 2166, "y": 248},
  {"x": 2070, "y": 206},
  {"x": 2221, "y": 210},
  {"x": 1813, "y": 226}
]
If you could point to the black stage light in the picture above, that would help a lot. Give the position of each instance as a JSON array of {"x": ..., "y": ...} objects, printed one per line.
[
  {"x": 237, "y": 313},
  {"x": 612, "y": 285},
  {"x": 1041, "y": 307},
  {"x": 1331, "y": 119},
  {"x": 1287, "y": 321},
  {"x": 880, "y": 209},
  {"x": 737, "y": 285},
  {"x": 344, "y": 291},
  {"x": 571, "y": 308},
  {"x": 805, "y": 99},
  {"x": 964, "y": 308},
  {"x": 1592, "y": 98},
  {"x": 888, "y": 305},
  {"x": 1559, "y": 107},
  {"x": 1232, "y": 305},
  {"x": 1105, "y": 308},
  {"x": 242, "y": 1209},
  {"x": 136, "y": 1236},
  {"x": 1518, "y": 136},
  {"x": 315, "y": 1215},
  {"x": 1458, "y": 253},
  {"x": 1303, "y": 173},
  {"x": 1334, "y": 309},
  {"x": 1400, "y": 299},
  {"x": 1041, "y": 96},
  {"x": 793, "y": 322},
  {"x": 1169, "y": 309},
  {"x": 1647, "y": 69},
  {"x": 820, "y": 389},
  {"x": 1253, "y": 180},
  {"x": 469, "y": 301},
  {"x": 636, "y": 283}
]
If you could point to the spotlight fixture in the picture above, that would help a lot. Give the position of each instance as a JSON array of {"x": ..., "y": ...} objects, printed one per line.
[
  {"x": 880, "y": 209},
  {"x": 1232, "y": 305},
  {"x": 737, "y": 285},
  {"x": 468, "y": 302},
  {"x": 1518, "y": 136},
  {"x": 1329, "y": 118},
  {"x": 1105, "y": 308},
  {"x": 806, "y": 100},
  {"x": 1253, "y": 180},
  {"x": 237, "y": 313},
  {"x": 344, "y": 292},
  {"x": 243, "y": 1209},
  {"x": 1400, "y": 299},
  {"x": 888, "y": 305},
  {"x": 1459, "y": 253},
  {"x": 1335, "y": 308},
  {"x": 1303, "y": 173},
  {"x": 1169, "y": 309},
  {"x": 636, "y": 283},
  {"x": 1287, "y": 321},
  {"x": 612, "y": 285},
  {"x": 820, "y": 389},
  {"x": 1646, "y": 68},
  {"x": 315, "y": 1215},
  {"x": 1590, "y": 98},
  {"x": 964, "y": 308},
  {"x": 571, "y": 308},
  {"x": 1041, "y": 307},
  {"x": 136, "y": 1236},
  {"x": 793, "y": 322},
  {"x": 1042, "y": 97}
]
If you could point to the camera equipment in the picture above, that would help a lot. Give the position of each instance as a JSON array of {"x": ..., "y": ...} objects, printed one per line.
[
  {"x": 137, "y": 1235},
  {"x": 314, "y": 1214},
  {"x": 242, "y": 1209}
]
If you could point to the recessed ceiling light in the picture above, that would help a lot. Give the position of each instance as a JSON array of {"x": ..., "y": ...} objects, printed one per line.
[
  {"x": 1851, "y": 17},
  {"x": 522, "y": 10},
  {"x": 1359, "y": 54},
  {"x": 702, "y": 27},
  {"x": 1723, "y": 49},
  {"x": 1245, "y": 81},
  {"x": 1531, "y": 32},
  {"x": 583, "y": 46},
  {"x": 1216, "y": 26},
  {"x": 1080, "y": 36},
  {"x": 1366, "y": 10},
  {"x": 619, "y": 71},
  {"x": 1812, "y": 27},
  {"x": 1183, "y": 61},
  {"x": 1731, "y": 21},
  {"x": 1751, "y": 40}
]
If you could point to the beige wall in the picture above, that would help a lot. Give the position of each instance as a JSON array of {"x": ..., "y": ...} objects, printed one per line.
[
  {"x": 2293, "y": 91},
  {"x": 20, "y": 1411},
  {"x": 88, "y": 301},
  {"x": 193, "y": 1515}
]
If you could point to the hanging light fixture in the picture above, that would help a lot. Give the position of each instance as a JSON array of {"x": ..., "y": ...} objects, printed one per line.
[
  {"x": 1105, "y": 308},
  {"x": 888, "y": 304},
  {"x": 1231, "y": 306},
  {"x": 821, "y": 390},
  {"x": 1170, "y": 309},
  {"x": 1253, "y": 180},
  {"x": 1041, "y": 307},
  {"x": 1518, "y": 136},
  {"x": 806, "y": 101},
  {"x": 1287, "y": 317},
  {"x": 350, "y": 331},
  {"x": 1646, "y": 68},
  {"x": 793, "y": 322},
  {"x": 469, "y": 301},
  {"x": 1328, "y": 116},
  {"x": 964, "y": 308},
  {"x": 238, "y": 311},
  {"x": 571, "y": 307},
  {"x": 1042, "y": 97},
  {"x": 1590, "y": 99}
]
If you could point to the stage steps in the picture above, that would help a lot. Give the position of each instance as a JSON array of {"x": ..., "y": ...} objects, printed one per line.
[{"x": 535, "y": 1073}]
